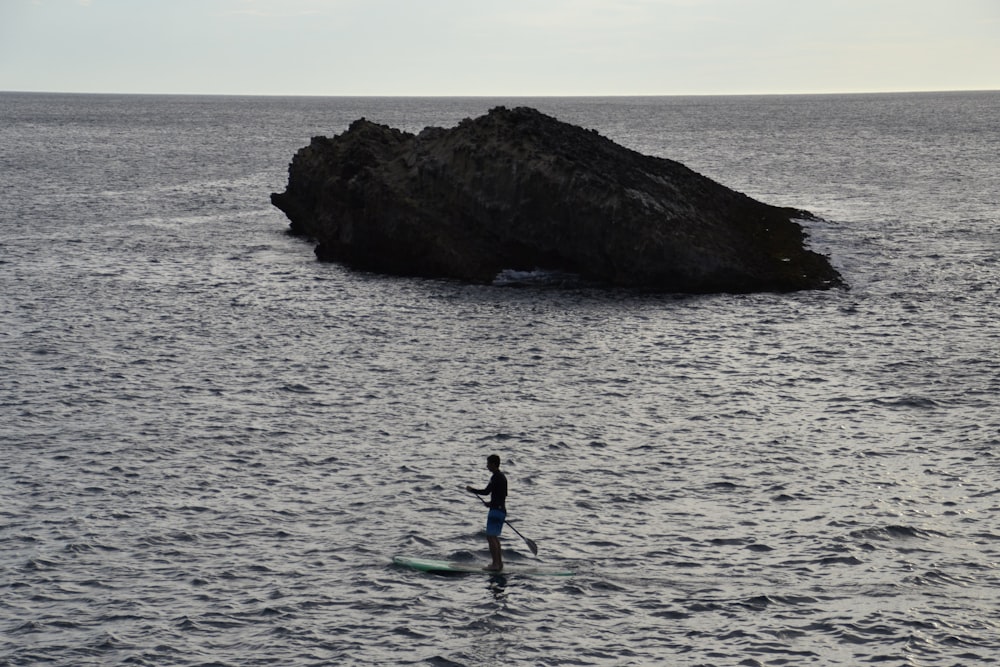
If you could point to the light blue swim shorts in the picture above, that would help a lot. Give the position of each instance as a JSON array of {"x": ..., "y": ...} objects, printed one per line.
[{"x": 494, "y": 522}]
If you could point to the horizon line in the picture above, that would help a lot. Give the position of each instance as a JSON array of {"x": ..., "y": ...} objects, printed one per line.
[{"x": 502, "y": 95}]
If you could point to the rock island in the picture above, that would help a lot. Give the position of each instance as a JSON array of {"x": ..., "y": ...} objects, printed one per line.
[{"x": 518, "y": 190}]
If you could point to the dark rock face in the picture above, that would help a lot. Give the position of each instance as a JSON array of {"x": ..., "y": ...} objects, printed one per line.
[{"x": 518, "y": 190}]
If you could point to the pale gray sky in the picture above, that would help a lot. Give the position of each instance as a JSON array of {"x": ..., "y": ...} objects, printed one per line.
[{"x": 498, "y": 47}]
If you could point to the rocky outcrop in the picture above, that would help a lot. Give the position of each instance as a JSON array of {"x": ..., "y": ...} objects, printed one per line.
[{"x": 518, "y": 190}]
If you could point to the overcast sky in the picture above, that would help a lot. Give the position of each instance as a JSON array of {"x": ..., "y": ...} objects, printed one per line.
[{"x": 498, "y": 47}]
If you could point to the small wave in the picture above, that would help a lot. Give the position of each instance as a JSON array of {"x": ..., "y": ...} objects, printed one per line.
[
  {"x": 110, "y": 642},
  {"x": 838, "y": 560},
  {"x": 417, "y": 539},
  {"x": 188, "y": 625},
  {"x": 36, "y": 564},
  {"x": 500, "y": 437},
  {"x": 408, "y": 632},
  {"x": 856, "y": 633},
  {"x": 723, "y": 486},
  {"x": 941, "y": 578},
  {"x": 988, "y": 537},
  {"x": 763, "y": 601},
  {"x": 27, "y": 627},
  {"x": 321, "y": 462},
  {"x": 894, "y": 532},
  {"x": 919, "y": 402},
  {"x": 298, "y": 389},
  {"x": 538, "y": 278}
]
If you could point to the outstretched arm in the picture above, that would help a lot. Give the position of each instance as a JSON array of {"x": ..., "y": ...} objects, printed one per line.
[{"x": 481, "y": 492}]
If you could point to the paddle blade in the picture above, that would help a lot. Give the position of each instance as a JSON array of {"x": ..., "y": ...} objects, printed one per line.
[{"x": 531, "y": 545}]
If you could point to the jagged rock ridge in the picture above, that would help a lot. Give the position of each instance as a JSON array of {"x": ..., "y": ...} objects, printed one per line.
[{"x": 519, "y": 190}]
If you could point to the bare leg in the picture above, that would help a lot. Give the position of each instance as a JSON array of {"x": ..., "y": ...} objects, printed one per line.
[{"x": 495, "y": 553}]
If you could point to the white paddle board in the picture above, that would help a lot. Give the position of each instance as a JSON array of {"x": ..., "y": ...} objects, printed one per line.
[{"x": 453, "y": 567}]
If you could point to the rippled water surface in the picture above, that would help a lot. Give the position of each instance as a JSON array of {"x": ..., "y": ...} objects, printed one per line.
[{"x": 211, "y": 445}]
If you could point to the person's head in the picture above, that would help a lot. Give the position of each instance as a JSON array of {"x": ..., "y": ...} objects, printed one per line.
[{"x": 493, "y": 462}]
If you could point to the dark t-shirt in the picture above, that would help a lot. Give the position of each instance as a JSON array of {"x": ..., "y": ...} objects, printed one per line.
[{"x": 497, "y": 488}]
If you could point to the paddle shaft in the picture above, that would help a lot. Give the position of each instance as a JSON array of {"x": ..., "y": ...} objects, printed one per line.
[{"x": 531, "y": 544}]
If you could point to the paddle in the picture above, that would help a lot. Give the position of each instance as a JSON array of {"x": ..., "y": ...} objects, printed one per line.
[{"x": 531, "y": 543}]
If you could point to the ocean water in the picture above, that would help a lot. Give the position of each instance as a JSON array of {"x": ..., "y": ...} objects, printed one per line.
[{"x": 211, "y": 445}]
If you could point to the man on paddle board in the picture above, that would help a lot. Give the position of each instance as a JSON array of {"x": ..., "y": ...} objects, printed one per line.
[{"x": 497, "y": 488}]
